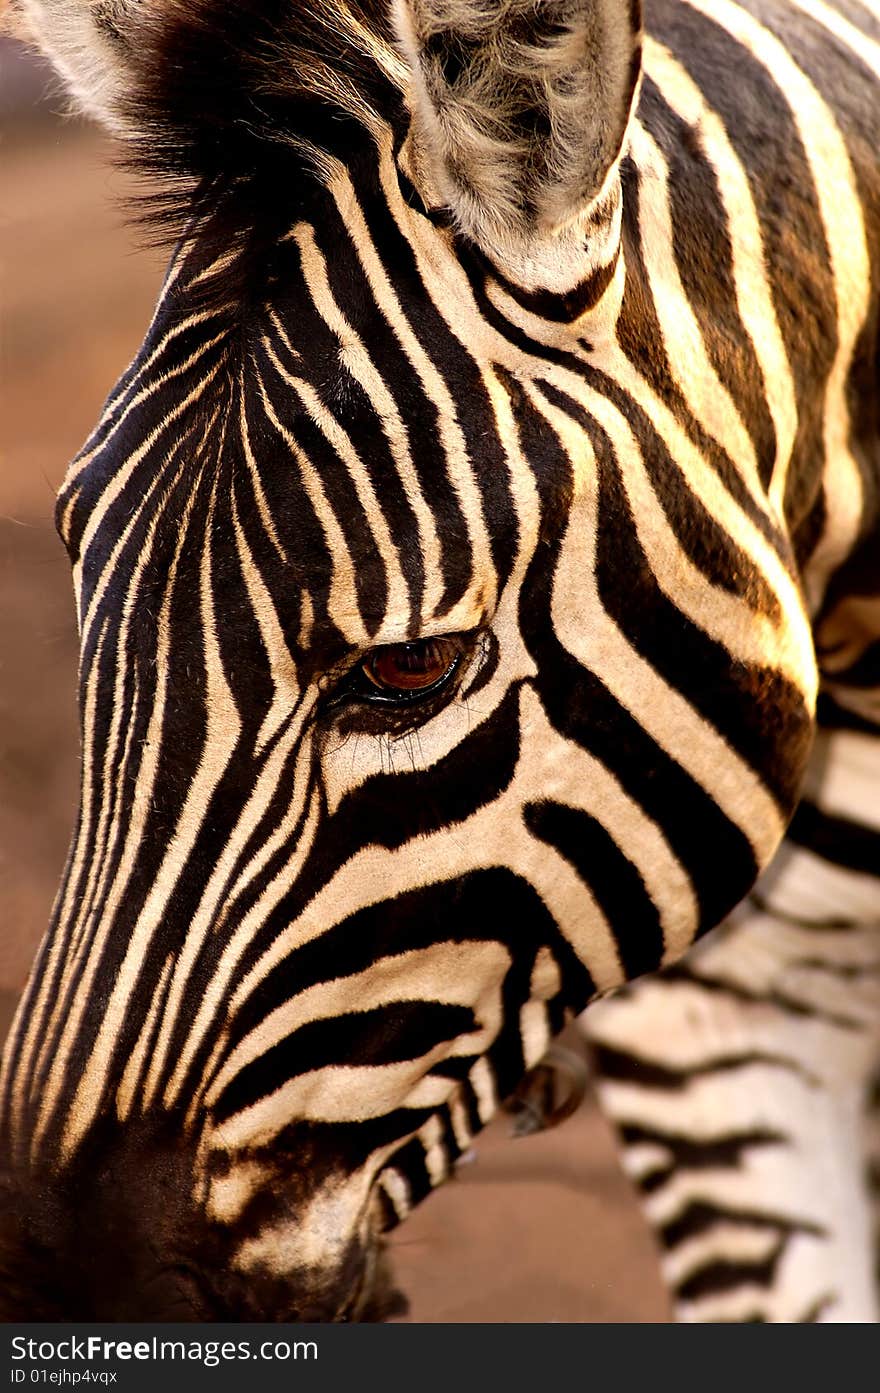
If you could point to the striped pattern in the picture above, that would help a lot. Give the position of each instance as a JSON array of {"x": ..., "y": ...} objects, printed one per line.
[
  {"x": 307, "y": 940},
  {"x": 740, "y": 1082}
]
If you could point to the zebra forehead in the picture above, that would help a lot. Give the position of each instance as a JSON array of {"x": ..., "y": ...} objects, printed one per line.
[{"x": 350, "y": 482}]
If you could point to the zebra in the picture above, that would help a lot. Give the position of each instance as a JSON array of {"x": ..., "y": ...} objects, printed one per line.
[{"x": 476, "y": 574}]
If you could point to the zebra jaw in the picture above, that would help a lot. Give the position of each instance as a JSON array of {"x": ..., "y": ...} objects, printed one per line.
[{"x": 123, "y": 1231}]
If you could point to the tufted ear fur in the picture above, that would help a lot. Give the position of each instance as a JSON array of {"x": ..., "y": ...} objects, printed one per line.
[
  {"x": 520, "y": 110},
  {"x": 87, "y": 41}
]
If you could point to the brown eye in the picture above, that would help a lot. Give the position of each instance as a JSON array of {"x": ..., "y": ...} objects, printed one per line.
[{"x": 410, "y": 669}]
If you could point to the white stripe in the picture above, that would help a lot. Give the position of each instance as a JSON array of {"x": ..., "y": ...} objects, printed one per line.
[{"x": 843, "y": 221}]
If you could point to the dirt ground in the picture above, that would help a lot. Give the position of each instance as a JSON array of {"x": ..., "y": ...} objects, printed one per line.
[{"x": 542, "y": 1229}]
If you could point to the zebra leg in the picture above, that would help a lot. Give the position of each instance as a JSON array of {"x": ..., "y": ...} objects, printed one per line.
[{"x": 739, "y": 1084}]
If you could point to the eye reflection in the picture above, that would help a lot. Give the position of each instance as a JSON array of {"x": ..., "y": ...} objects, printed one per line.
[{"x": 407, "y": 669}]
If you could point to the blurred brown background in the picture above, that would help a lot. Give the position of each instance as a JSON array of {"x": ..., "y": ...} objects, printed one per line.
[
  {"x": 75, "y": 297},
  {"x": 543, "y": 1229}
]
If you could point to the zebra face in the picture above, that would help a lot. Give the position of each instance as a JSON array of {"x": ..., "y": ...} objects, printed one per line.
[{"x": 414, "y": 716}]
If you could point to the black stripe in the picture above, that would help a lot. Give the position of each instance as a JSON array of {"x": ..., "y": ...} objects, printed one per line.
[
  {"x": 726, "y": 1275},
  {"x": 722, "y": 1152},
  {"x": 701, "y": 537},
  {"x": 342, "y": 396},
  {"x": 737, "y": 992},
  {"x": 389, "y": 1034},
  {"x": 641, "y": 338},
  {"x": 699, "y": 1217},
  {"x": 844, "y": 843},
  {"x": 702, "y": 245},
  {"x": 632, "y": 1067},
  {"x": 461, "y": 374},
  {"x": 483, "y": 906},
  {"x": 559, "y": 307},
  {"x": 580, "y": 706},
  {"x": 612, "y": 878},
  {"x": 760, "y": 126}
]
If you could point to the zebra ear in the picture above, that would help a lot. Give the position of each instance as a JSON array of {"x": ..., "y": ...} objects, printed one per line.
[
  {"x": 89, "y": 43},
  {"x": 520, "y": 110}
]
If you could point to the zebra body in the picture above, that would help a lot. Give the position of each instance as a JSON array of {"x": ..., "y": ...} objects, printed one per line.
[{"x": 457, "y": 568}]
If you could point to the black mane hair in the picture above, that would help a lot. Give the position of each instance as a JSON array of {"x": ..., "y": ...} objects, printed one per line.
[
  {"x": 217, "y": 86},
  {"x": 234, "y": 108}
]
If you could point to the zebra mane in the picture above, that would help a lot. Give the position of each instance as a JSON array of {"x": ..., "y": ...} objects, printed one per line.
[
  {"x": 218, "y": 94},
  {"x": 235, "y": 109},
  {"x": 221, "y": 84}
]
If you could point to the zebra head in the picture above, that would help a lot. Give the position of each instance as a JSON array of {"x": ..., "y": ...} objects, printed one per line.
[{"x": 437, "y": 672}]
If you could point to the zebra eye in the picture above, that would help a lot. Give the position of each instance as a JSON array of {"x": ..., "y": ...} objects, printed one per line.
[{"x": 408, "y": 671}]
